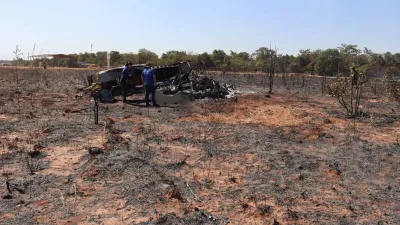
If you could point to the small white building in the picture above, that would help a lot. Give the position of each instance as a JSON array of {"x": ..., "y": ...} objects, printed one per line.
[{"x": 5, "y": 63}]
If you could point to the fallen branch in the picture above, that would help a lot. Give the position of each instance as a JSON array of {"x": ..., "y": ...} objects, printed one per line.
[
  {"x": 77, "y": 110},
  {"x": 192, "y": 192}
]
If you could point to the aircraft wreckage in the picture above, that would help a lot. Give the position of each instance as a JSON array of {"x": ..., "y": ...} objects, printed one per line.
[{"x": 179, "y": 79}]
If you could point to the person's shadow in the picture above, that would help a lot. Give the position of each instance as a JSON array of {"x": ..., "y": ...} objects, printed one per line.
[
  {"x": 142, "y": 103},
  {"x": 138, "y": 103}
]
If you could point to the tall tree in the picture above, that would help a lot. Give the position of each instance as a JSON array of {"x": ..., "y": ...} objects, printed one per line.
[
  {"x": 218, "y": 57},
  {"x": 267, "y": 58},
  {"x": 304, "y": 59},
  {"x": 349, "y": 55},
  {"x": 174, "y": 57},
  {"x": 129, "y": 57},
  {"x": 101, "y": 58},
  {"x": 327, "y": 64},
  {"x": 146, "y": 56},
  {"x": 206, "y": 60},
  {"x": 115, "y": 57}
]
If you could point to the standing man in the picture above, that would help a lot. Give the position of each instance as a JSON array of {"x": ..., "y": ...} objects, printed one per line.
[
  {"x": 149, "y": 83},
  {"x": 124, "y": 77}
]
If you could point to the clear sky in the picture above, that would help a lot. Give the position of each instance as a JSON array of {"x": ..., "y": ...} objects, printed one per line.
[{"x": 197, "y": 25}]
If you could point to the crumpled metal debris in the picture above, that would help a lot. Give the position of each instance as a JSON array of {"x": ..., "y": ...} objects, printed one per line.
[{"x": 197, "y": 86}]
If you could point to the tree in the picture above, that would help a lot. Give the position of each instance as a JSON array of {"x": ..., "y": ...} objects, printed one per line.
[
  {"x": 267, "y": 58},
  {"x": 287, "y": 63},
  {"x": 392, "y": 83},
  {"x": 304, "y": 58},
  {"x": 263, "y": 54},
  {"x": 349, "y": 55},
  {"x": 284, "y": 66},
  {"x": 101, "y": 58},
  {"x": 146, "y": 56},
  {"x": 244, "y": 56},
  {"x": 396, "y": 58},
  {"x": 327, "y": 64},
  {"x": 348, "y": 90},
  {"x": 115, "y": 57},
  {"x": 129, "y": 57},
  {"x": 92, "y": 59},
  {"x": 171, "y": 57},
  {"x": 218, "y": 57},
  {"x": 391, "y": 60},
  {"x": 349, "y": 49},
  {"x": 206, "y": 60},
  {"x": 376, "y": 62},
  {"x": 237, "y": 62}
]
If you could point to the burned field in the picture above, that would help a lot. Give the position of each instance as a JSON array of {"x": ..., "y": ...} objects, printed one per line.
[{"x": 289, "y": 158}]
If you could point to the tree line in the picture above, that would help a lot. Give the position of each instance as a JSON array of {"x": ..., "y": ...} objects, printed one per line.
[{"x": 328, "y": 62}]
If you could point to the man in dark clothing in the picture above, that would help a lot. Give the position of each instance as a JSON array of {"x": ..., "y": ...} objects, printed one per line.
[
  {"x": 149, "y": 83},
  {"x": 124, "y": 77}
]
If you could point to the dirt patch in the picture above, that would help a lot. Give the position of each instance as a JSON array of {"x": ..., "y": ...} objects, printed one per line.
[
  {"x": 308, "y": 119},
  {"x": 250, "y": 109}
]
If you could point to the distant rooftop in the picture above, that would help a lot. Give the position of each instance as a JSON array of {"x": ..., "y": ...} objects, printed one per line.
[{"x": 52, "y": 55}]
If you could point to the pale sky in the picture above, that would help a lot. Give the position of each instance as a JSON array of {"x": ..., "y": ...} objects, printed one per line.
[{"x": 197, "y": 25}]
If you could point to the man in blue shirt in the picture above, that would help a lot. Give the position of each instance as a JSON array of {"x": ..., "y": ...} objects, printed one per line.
[
  {"x": 149, "y": 83},
  {"x": 124, "y": 77}
]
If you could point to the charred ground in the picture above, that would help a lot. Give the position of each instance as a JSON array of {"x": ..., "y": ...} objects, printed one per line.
[{"x": 290, "y": 158}]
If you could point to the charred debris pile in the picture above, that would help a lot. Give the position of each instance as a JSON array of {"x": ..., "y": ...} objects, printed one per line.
[{"x": 197, "y": 86}]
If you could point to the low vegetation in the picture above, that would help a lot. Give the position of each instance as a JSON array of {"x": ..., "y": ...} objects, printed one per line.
[{"x": 348, "y": 91}]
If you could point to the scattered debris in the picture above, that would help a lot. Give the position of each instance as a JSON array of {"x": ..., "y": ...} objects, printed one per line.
[
  {"x": 233, "y": 179},
  {"x": 197, "y": 218},
  {"x": 176, "y": 194},
  {"x": 304, "y": 195},
  {"x": 276, "y": 222},
  {"x": 38, "y": 147},
  {"x": 79, "y": 96},
  {"x": 164, "y": 218},
  {"x": 337, "y": 168},
  {"x": 265, "y": 210},
  {"x": 353, "y": 207},
  {"x": 7, "y": 196},
  {"x": 20, "y": 190},
  {"x": 75, "y": 110},
  {"x": 292, "y": 214},
  {"x": 205, "y": 214},
  {"x": 95, "y": 151},
  {"x": 35, "y": 153}
]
